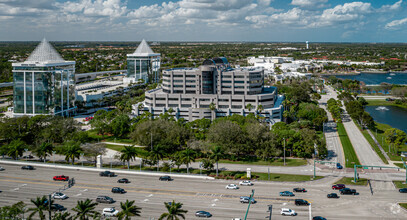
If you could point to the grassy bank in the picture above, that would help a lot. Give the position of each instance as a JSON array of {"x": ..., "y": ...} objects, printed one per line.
[
  {"x": 373, "y": 144},
  {"x": 383, "y": 102},
  {"x": 399, "y": 165},
  {"x": 349, "y": 181},
  {"x": 93, "y": 134},
  {"x": 400, "y": 184},
  {"x": 350, "y": 155},
  {"x": 276, "y": 162},
  {"x": 381, "y": 128},
  {"x": 404, "y": 205}
]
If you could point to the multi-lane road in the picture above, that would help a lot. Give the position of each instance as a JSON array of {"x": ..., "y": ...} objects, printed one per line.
[{"x": 209, "y": 195}]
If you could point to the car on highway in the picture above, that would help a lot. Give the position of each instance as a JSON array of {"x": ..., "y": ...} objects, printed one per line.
[
  {"x": 27, "y": 167},
  {"x": 246, "y": 199},
  {"x": 287, "y": 193},
  {"x": 59, "y": 195},
  {"x": 61, "y": 178},
  {"x": 165, "y": 178},
  {"x": 107, "y": 173},
  {"x": 28, "y": 157},
  {"x": 232, "y": 186},
  {"x": 403, "y": 190},
  {"x": 118, "y": 190},
  {"x": 299, "y": 190},
  {"x": 203, "y": 214},
  {"x": 57, "y": 207},
  {"x": 104, "y": 199},
  {"x": 246, "y": 183},
  {"x": 123, "y": 180},
  {"x": 285, "y": 211},
  {"x": 318, "y": 218},
  {"x": 2, "y": 168},
  {"x": 347, "y": 191},
  {"x": 339, "y": 166},
  {"x": 338, "y": 186},
  {"x": 110, "y": 212},
  {"x": 332, "y": 196},
  {"x": 299, "y": 202}
]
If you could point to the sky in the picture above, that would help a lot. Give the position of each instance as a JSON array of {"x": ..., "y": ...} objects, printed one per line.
[{"x": 204, "y": 20}]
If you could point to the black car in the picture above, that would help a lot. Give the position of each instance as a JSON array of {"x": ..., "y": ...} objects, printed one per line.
[
  {"x": 118, "y": 190},
  {"x": 28, "y": 167},
  {"x": 203, "y": 214},
  {"x": 165, "y": 178},
  {"x": 28, "y": 157},
  {"x": 301, "y": 202},
  {"x": 332, "y": 195},
  {"x": 347, "y": 191},
  {"x": 299, "y": 190},
  {"x": 403, "y": 190},
  {"x": 318, "y": 218},
  {"x": 57, "y": 207},
  {"x": 123, "y": 180},
  {"x": 107, "y": 173}
]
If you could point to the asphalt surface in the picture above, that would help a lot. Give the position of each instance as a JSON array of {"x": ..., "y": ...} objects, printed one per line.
[{"x": 209, "y": 195}]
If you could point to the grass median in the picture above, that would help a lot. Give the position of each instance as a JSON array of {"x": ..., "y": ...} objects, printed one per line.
[
  {"x": 349, "y": 181},
  {"x": 400, "y": 184},
  {"x": 404, "y": 205},
  {"x": 350, "y": 154}
]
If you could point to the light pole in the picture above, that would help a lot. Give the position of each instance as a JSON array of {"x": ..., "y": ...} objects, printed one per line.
[
  {"x": 53, "y": 156},
  {"x": 82, "y": 158},
  {"x": 284, "y": 151},
  {"x": 25, "y": 155}
]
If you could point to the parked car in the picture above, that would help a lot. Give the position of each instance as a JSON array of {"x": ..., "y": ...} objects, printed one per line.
[
  {"x": 318, "y": 218},
  {"x": 61, "y": 178},
  {"x": 299, "y": 202},
  {"x": 299, "y": 190},
  {"x": 339, "y": 166},
  {"x": 347, "y": 191},
  {"x": 27, "y": 167},
  {"x": 338, "y": 186},
  {"x": 285, "y": 211},
  {"x": 246, "y": 183},
  {"x": 2, "y": 168},
  {"x": 59, "y": 195},
  {"x": 232, "y": 186},
  {"x": 57, "y": 207},
  {"x": 246, "y": 199},
  {"x": 165, "y": 178},
  {"x": 109, "y": 212},
  {"x": 104, "y": 199},
  {"x": 118, "y": 190},
  {"x": 286, "y": 193},
  {"x": 107, "y": 173},
  {"x": 403, "y": 190},
  {"x": 123, "y": 180},
  {"x": 332, "y": 196},
  {"x": 203, "y": 214}
]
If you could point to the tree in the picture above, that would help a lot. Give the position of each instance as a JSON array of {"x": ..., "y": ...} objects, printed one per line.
[
  {"x": 15, "y": 149},
  {"x": 217, "y": 154},
  {"x": 156, "y": 154},
  {"x": 260, "y": 108},
  {"x": 62, "y": 216},
  {"x": 228, "y": 135},
  {"x": 175, "y": 211},
  {"x": 249, "y": 107},
  {"x": 207, "y": 164},
  {"x": 41, "y": 206},
  {"x": 120, "y": 125},
  {"x": 128, "y": 153},
  {"x": 395, "y": 136},
  {"x": 15, "y": 211},
  {"x": 128, "y": 210},
  {"x": 72, "y": 150},
  {"x": 85, "y": 209},
  {"x": 44, "y": 150},
  {"x": 187, "y": 156},
  {"x": 92, "y": 150}
]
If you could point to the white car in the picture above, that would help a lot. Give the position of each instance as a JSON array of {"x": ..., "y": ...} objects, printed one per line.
[
  {"x": 285, "y": 211},
  {"x": 110, "y": 212},
  {"x": 246, "y": 183},
  {"x": 232, "y": 186},
  {"x": 1, "y": 169},
  {"x": 59, "y": 195}
]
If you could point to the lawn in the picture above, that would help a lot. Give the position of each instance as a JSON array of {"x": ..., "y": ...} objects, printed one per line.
[
  {"x": 350, "y": 154},
  {"x": 349, "y": 181},
  {"x": 400, "y": 184},
  {"x": 379, "y": 134},
  {"x": 404, "y": 205},
  {"x": 92, "y": 134},
  {"x": 286, "y": 177},
  {"x": 401, "y": 165},
  {"x": 276, "y": 162},
  {"x": 383, "y": 102},
  {"x": 373, "y": 144}
]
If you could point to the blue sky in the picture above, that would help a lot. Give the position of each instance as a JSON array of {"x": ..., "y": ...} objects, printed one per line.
[{"x": 204, "y": 20}]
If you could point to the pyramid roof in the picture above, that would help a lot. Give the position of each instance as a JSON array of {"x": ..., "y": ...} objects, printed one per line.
[
  {"x": 45, "y": 53},
  {"x": 143, "y": 48}
]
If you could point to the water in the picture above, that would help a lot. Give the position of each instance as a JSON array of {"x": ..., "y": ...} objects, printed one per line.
[
  {"x": 377, "y": 78},
  {"x": 391, "y": 115}
]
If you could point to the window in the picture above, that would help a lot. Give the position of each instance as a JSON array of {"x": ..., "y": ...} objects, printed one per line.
[
  {"x": 157, "y": 98},
  {"x": 226, "y": 76},
  {"x": 223, "y": 106},
  {"x": 226, "y": 92},
  {"x": 173, "y": 99},
  {"x": 190, "y": 86},
  {"x": 239, "y": 87},
  {"x": 160, "y": 105},
  {"x": 179, "y": 81},
  {"x": 236, "y": 77},
  {"x": 178, "y": 91},
  {"x": 204, "y": 106},
  {"x": 190, "y": 92},
  {"x": 226, "y": 81},
  {"x": 239, "y": 82},
  {"x": 236, "y": 100},
  {"x": 173, "y": 105},
  {"x": 189, "y": 81},
  {"x": 178, "y": 86},
  {"x": 223, "y": 100},
  {"x": 185, "y": 106},
  {"x": 185, "y": 99},
  {"x": 236, "y": 106},
  {"x": 178, "y": 76},
  {"x": 204, "y": 100},
  {"x": 239, "y": 92}
]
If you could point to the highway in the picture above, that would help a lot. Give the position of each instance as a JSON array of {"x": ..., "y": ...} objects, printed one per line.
[{"x": 209, "y": 195}]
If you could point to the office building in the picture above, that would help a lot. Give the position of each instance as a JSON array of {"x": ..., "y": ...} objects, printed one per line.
[{"x": 44, "y": 83}]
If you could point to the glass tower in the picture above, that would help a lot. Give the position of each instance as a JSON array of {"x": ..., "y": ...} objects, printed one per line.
[
  {"x": 143, "y": 65},
  {"x": 44, "y": 83}
]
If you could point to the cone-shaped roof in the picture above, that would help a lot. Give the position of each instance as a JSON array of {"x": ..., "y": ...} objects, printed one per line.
[
  {"x": 45, "y": 53},
  {"x": 143, "y": 48}
]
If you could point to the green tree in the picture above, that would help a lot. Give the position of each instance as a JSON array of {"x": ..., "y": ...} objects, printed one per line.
[
  {"x": 120, "y": 125},
  {"x": 207, "y": 164},
  {"x": 43, "y": 150},
  {"x": 15, "y": 149},
  {"x": 41, "y": 206},
  {"x": 128, "y": 153},
  {"x": 85, "y": 209},
  {"x": 62, "y": 216},
  {"x": 249, "y": 107},
  {"x": 156, "y": 154},
  {"x": 128, "y": 210},
  {"x": 175, "y": 211},
  {"x": 15, "y": 211},
  {"x": 188, "y": 156},
  {"x": 72, "y": 150},
  {"x": 217, "y": 154}
]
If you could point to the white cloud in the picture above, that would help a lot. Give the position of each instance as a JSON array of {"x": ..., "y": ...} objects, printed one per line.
[
  {"x": 396, "y": 24},
  {"x": 309, "y": 3},
  {"x": 109, "y": 8},
  {"x": 393, "y": 7},
  {"x": 42, "y": 4}
]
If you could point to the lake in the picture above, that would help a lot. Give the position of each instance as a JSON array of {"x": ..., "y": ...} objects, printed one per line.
[
  {"x": 391, "y": 115},
  {"x": 377, "y": 78}
]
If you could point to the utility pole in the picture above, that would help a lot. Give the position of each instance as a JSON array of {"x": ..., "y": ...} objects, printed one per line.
[
  {"x": 49, "y": 206},
  {"x": 270, "y": 210}
]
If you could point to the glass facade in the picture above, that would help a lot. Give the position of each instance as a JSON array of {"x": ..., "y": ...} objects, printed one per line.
[{"x": 145, "y": 68}]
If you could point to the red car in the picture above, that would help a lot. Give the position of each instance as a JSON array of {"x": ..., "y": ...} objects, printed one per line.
[
  {"x": 339, "y": 186},
  {"x": 61, "y": 178}
]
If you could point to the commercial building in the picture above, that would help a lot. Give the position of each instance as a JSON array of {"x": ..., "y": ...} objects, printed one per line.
[
  {"x": 44, "y": 83},
  {"x": 215, "y": 89},
  {"x": 143, "y": 65}
]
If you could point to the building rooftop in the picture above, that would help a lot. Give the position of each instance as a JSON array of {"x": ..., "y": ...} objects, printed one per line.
[
  {"x": 143, "y": 50},
  {"x": 44, "y": 53}
]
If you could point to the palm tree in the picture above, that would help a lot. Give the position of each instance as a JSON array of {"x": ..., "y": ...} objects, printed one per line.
[
  {"x": 187, "y": 156},
  {"x": 174, "y": 211},
  {"x": 41, "y": 205},
  {"x": 156, "y": 154},
  {"x": 249, "y": 107},
  {"x": 85, "y": 209},
  {"x": 128, "y": 153},
  {"x": 15, "y": 149},
  {"x": 71, "y": 151},
  {"x": 128, "y": 209},
  {"x": 212, "y": 107},
  {"x": 62, "y": 216},
  {"x": 260, "y": 108},
  {"x": 216, "y": 155},
  {"x": 44, "y": 150}
]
